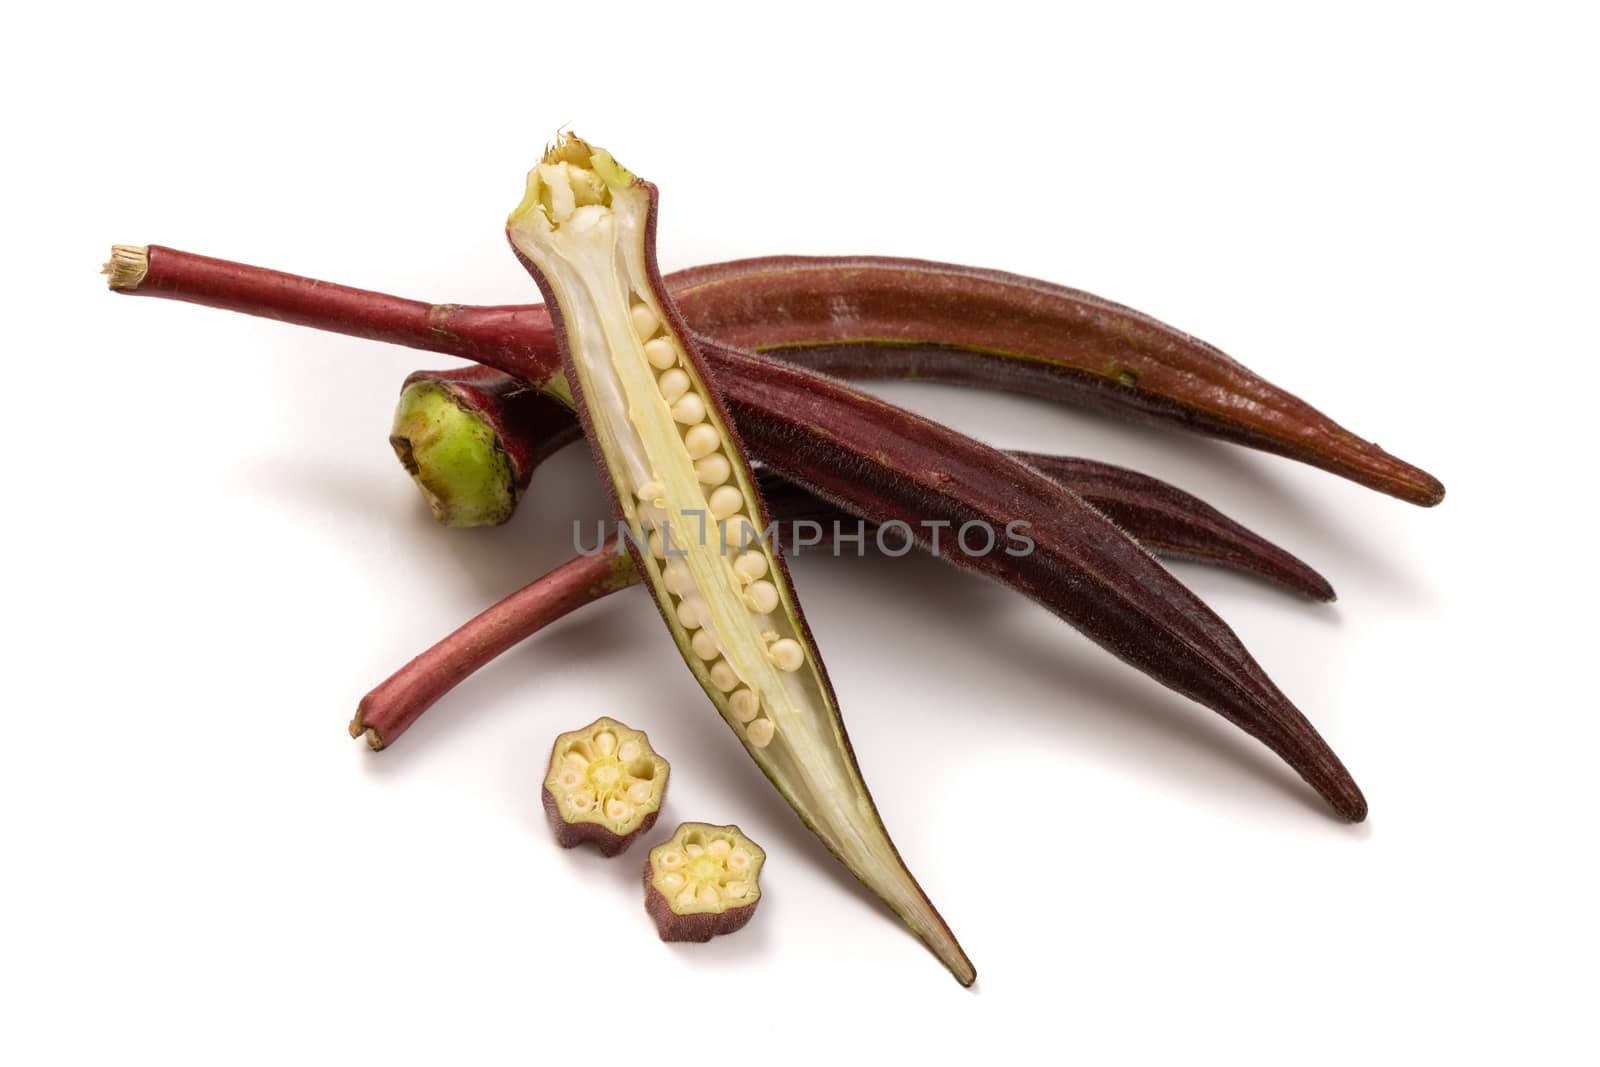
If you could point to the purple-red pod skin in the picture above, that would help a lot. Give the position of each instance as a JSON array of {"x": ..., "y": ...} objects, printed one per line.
[
  {"x": 530, "y": 427},
  {"x": 874, "y": 317},
  {"x": 1171, "y": 522},
  {"x": 817, "y": 432},
  {"x": 856, "y": 317},
  {"x": 730, "y": 915},
  {"x": 697, "y": 928},
  {"x": 571, "y": 835}
]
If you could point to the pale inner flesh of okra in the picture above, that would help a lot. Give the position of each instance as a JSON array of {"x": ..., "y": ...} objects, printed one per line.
[
  {"x": 683, "y": 489},
  {"x": 607, "y": 774},
  {"x": 706, "y": 869}
]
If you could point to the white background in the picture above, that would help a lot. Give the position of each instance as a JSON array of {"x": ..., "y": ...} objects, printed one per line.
[{"x": 1388, "y": 209}]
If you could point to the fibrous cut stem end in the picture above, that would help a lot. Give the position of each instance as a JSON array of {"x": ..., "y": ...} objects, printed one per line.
[
  {"x": 702, "y": 882},
  {"x": 127, "y": 266},
  {"x": 605, "y": 785}
]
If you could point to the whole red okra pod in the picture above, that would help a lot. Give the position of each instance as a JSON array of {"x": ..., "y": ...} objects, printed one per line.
[
  {"x": 504, "y": 425},
  {"x": 873, "y": 317}
]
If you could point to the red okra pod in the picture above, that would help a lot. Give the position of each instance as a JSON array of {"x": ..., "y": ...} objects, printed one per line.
[
  {"x": 1175, "y": 523},
  {"x": 835, "y": 440},
  {"x": 877, "y": 460},
  {"x": 473, "y": 442},
  {"x": 876, "y": 317},
  {"x": 862, "y": 317},
  {"x": 472, "y": 436}
]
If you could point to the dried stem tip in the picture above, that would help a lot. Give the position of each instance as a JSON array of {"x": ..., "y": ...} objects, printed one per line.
[
  {"x": 702, "y": 882},
  {"x": 605, "y": 786},
  {"x": 127, "y": 266}
]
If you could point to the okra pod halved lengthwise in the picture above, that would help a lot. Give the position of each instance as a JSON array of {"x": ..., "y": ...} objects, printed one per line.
[{"x": 680, "y": 481}]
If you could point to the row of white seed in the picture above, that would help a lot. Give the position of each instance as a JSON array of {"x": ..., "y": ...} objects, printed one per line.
[
  {"x": 727, "y": 505},
  {"x": 733, "y": 862},
  {"x": 583, "y": 793}
]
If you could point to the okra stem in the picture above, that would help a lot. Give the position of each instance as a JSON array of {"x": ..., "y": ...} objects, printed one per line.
[{"x": 390, "y": 709}]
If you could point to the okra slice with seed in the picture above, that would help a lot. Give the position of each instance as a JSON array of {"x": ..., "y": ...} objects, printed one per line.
[
  {"x": 702, "y": 882},
  {"x": 682, "y": 485},
  {"x": 605, "y": 785}
]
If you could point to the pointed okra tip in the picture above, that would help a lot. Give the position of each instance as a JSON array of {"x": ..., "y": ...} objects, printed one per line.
[
  {"x": 454, "y": 455},
  {"x": 572, "y": 185},
  {"x": 703, "y": 881},
  {"x": 605, "y": 785}
]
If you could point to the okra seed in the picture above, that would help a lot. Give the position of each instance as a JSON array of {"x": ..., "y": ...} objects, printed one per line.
[
  {"x": 686, "y": 898},
  {"x": 689, "y": 410},
  {"x": 744, "y": 705},
  {"x": 629, "y": 751},
  {"x": 708, "y": 895},
  {"x": 618, "y": 810},
  {"x": 672, "y": 880},
  {"x": 739, "y": 532},
  {"x": 644, "y": 321},
  {"x": 762, "y": 597},
  {"x": 701, "y": 441},
  {"x": 693, "y": 849},
  {"x": 605, "y": 742},
  {"x": 704, "y": 644},
  {"x": 660, "y": 353},
  {"x": 689, "y": 612},
  {"x": 675, "y": 575},
  {"x": 673, "y": 384},
  {"x": 713, "y": 470},
  {"x": 787, "y": 654},
  {"x": 751, "y": 565},
  {"x": 558, "y": 187},
  {"x": 651, "y": 491},
  {"x": 760, "y": 732},
  {"x": 722, "y": 676},
  {"x": 719, "y": 847},
  {"x": 639, "y": 792},
  {"x": 725, "y": 502},
  {"x": 672, "y": 860},
  {"x": 738, "y": 859},
  {"x": 734, "y": 890},
  {"x": 658, "y": 547}
]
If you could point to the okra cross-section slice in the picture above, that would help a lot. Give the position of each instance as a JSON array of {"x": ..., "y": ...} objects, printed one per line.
[
  {"x": 681, "y": 484},
  {"x": 604, "y": 785},
  {"x": 702, "y": 882}
]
